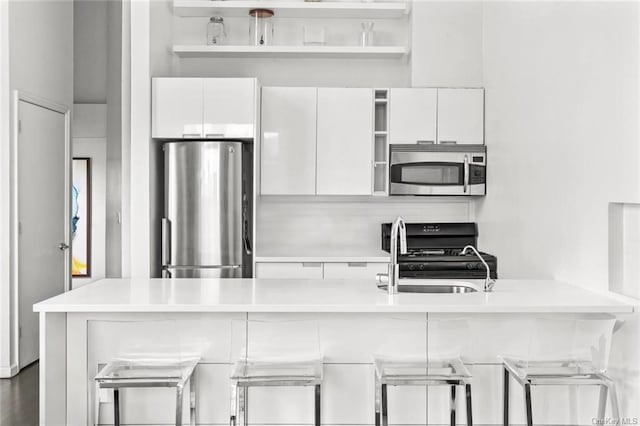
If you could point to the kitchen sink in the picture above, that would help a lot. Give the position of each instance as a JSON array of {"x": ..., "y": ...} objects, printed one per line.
[{"x": 432, "y": 286}]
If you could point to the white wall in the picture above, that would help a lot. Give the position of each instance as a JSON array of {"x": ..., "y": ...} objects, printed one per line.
[
  {"x": 90, "y": 51},
  {"x": 89, "y": 129},
  {"x": 5, "y": 219},
  {"x": 446, "y": 44},
  {"x": 561, "y": 84},
  {"x": 36, "y": 56},
  {"x": 334, "y": 226},
  {"x": 116, "y": 114}
]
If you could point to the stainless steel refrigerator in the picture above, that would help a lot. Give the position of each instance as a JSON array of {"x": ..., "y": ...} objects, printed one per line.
[{"x": 206, "y": 231}]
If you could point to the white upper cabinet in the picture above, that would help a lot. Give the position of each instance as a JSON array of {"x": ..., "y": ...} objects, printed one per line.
[
  {"x": 210, "y": 108},
  {"x": 345, "y": 141},
  {"x": 229, "y": 107},
  {"x": 412, "y": 116},
  {"x": 177, "y": 108},
  {"x": 461, "y": 116},
  {"x": 288, "y": 154}
]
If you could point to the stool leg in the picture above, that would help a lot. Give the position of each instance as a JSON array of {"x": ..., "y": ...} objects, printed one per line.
[
  {"x": 96, "y": 412},
  {"x": 179, "y": 405},
  {"x": 505, "y": 399},
  {"x": 234, "y": 405},
  {"x": 377, "y": 401},
  {"x": 527, "y": 398},
  {"x": 452, "y": 406},
  {"x": 242, "y": 404},
  {"x": 385, "y": 418},
  {"x": 602, "y": 402},
  {"x": 245, "y": 402},
  {"x": 116, "y": 407},
  {"x": 613, "y": 395},
  {"x": 318, "y": 405},
  {"x": 192, "y": 399},
  {"x": 467, "y": 389}
]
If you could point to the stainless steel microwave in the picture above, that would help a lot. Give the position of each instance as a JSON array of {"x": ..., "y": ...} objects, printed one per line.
[{"x": 419, "y": 169}]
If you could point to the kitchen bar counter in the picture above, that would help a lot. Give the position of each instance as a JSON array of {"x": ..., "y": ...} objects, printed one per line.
[
  {"x": 256, "y": 295},
  {"x": 81, "y": 330}
]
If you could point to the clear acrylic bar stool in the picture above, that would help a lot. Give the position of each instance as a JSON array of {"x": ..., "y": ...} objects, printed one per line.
[
  {"x": 563, "y": 352},
  {"x": 149, "y": 355},
  {"x": 275, "y": 353},
  {"x": 408, "y": 359}
]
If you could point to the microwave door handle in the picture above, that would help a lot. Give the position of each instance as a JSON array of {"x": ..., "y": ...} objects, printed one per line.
[{"x": 466, "y": 174}]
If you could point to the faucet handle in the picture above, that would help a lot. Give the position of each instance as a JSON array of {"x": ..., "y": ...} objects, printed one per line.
[
  {"x": 488, "y": 286},
  {"x": 382, "y": 279}
]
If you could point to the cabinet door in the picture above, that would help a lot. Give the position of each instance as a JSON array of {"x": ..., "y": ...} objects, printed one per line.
[
  {"x": 176, "y": 108},
  {"x": 229, "y": 107},
  {"x": 354, "y": 270},
  {"x": 412, "y": 115},
  {"x": 289, "y": 270},
  {"x": 288, "y": 157},
  {"x": 461, "y": 116},
  {"x": 345, "y": 142}
]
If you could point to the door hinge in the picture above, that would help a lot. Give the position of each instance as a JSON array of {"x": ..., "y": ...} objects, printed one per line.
[
  {"x": 19, "y": 332},
  {"x": 19, "y": 228},
  {"x": 19, "y": 126}
]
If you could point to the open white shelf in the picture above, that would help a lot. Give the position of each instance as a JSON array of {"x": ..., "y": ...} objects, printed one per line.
[
  {"x": 227, "y": 51},
  {"x": 294, "y": 9}
]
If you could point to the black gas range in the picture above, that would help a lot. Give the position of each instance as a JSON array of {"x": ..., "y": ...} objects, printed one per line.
[{"x": 434, "y": 250}]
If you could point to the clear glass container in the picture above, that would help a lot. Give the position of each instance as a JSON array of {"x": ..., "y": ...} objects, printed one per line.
[
  {"x": 215, "y": 31},
  {"x": 261, "y": 27},
  {"x": 366, "y": 36}
]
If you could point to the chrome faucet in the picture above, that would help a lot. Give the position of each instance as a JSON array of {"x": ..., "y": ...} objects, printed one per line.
[
  {"x": 393, "y": 276},
  {"x": 488, "y": 281}
]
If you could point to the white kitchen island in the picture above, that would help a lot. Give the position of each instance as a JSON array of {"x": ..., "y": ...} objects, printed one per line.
[{"x": 79, "y": 329}]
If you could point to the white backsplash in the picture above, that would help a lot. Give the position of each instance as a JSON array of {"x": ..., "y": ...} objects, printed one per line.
[{"x": 322, "y": 226}]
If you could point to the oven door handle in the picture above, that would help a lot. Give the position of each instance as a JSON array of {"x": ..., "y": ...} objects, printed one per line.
[{"x": 465, "y": 178}]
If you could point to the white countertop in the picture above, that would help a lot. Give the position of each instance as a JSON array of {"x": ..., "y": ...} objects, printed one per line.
[{"x": 261, "y": 295}]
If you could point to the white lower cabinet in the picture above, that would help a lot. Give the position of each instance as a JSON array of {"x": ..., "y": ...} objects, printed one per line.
[
  {"x": 354, "y": 270},
  {"x": 320, "y": 270},
  {"x": 289, "y": 270}
]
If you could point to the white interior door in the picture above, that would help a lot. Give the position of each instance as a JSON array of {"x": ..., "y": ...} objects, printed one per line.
[{"x": 43, "y": 216}]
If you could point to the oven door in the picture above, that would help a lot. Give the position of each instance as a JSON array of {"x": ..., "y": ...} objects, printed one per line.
[{"x": 415, "y": 172}]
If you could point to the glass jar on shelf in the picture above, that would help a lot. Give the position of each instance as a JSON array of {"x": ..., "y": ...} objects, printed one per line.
[
  {"x": 215, "y": 31},
  {"x": 261, "y": 27}
]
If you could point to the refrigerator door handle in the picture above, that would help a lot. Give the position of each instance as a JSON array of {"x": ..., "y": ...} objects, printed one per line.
[{"x": 166, "y": 242}]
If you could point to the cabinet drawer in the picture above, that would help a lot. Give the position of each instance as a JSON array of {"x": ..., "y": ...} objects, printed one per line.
[
  {"x": 354, "y": 270},
  {"x": 291, "y": 270}
]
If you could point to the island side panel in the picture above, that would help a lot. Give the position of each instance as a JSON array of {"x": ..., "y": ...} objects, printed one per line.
[
  {"x": 53, "y": 372},
  {"x": 348, "y": 341}
]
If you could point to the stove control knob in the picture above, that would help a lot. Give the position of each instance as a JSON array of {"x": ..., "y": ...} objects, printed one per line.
[
  {"x": 421, "y": 266},
  {"x": 469, "y": 265},
  {"x": 411, "y": 267}
]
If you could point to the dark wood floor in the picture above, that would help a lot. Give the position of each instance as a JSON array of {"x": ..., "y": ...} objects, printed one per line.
[{"x": 19, "y": 398}]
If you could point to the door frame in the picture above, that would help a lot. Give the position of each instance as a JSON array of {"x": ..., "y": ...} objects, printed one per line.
[{"x": 19, "y": 95}]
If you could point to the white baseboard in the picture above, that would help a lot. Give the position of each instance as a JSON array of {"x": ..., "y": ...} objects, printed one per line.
[{"x": 8, "y": 371}]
